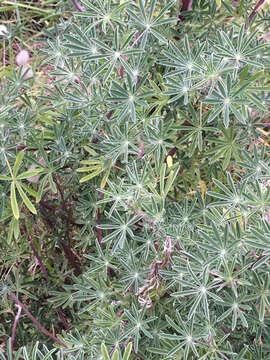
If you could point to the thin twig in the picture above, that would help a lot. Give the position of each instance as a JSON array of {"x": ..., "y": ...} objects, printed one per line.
[
  {"x": 99, "y": 231},
  {"x": 16, "y": 320},
  {"x": 78, "y": 6},
  {"x": 35, "y": 321},
  {"x": 258, "y": 5}
]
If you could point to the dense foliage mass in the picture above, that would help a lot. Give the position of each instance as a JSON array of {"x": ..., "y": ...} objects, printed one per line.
[{"x": 135, "y": 198}]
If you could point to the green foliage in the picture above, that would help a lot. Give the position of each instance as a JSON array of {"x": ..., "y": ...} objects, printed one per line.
[{"x": 135, "y": 201}]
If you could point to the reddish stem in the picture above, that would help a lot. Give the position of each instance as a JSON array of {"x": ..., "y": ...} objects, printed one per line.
[
  {"x": 99, "y": 231},
  {"x": 186, "y": 6},
  {"x": 258, "y": 5},
  {"x": 109, "y": 114},
  {"x": 37, "y": 323}
]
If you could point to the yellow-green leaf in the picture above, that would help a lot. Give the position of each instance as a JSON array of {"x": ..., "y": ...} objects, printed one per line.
[
  {"x": 29, "y": 174},
  {"x": 89, "y": 168},
  {"x": 18, "y": 162},
  {"x": 169, "y": 161},
  {"x": 90, "y": 150},
  {"x": 13, "y": 201},
  {"x": 4, "y": 178},
  {"x": 115, "y": 355},
  {"x": 105, "y": 178},
  {"x": 218, "y": 3},
  {"x": 90, "y": 162},
  {"x": 29, "y": 190},
  {"x": 127, "y": 351},
  {"x": 91, "y": 176},
  {"x": 25, "y": 199},
  {"x": 104, "y": 352},
  {"x": 10, "y": 231},
  {"x": 16, "y": 228},
  {"x": 170, "y": 180}
]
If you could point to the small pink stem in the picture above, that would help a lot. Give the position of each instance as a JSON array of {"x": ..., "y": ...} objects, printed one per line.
[
  {"x": 17, "y": 317},
  {"x": 78, "y": 6}
]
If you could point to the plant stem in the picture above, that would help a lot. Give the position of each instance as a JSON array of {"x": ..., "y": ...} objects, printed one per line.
[
  {"x": 186, "y": 6},
  {"x": 99, "y": 231},
  {"x": 258, "y": 5},
  {"x": 78, "y": 6},
  {"x": 17, "y": 317},
  {"x": 35, "y": 321}
]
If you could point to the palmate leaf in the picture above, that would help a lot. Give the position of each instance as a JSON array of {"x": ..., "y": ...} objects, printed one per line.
[
  {"x": 103, "y": 13},
  {"x": 16, "y": 184},
  {"x": 125, "y": 99},
  {"x": 178, "y": 87},
  {"x": 226, "y": 99},
  {"x": 137, "y": 324},
  {"x": 182, "y": 59},
  {"x": 185, "y": 334},
  {"x": 122, "y": 227},
  {"x": 108, "y": 56},
  {"x": 96, "y": 167},
  {"x": 194, "y": 131},
  {"x": 150, "y": 22},
  {"x": 226, "y": 147},
  {"x": 242, "y": 48}
]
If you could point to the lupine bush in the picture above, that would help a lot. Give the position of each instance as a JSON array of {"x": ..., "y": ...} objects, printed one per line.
[{"x": 135, "y": 198}]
